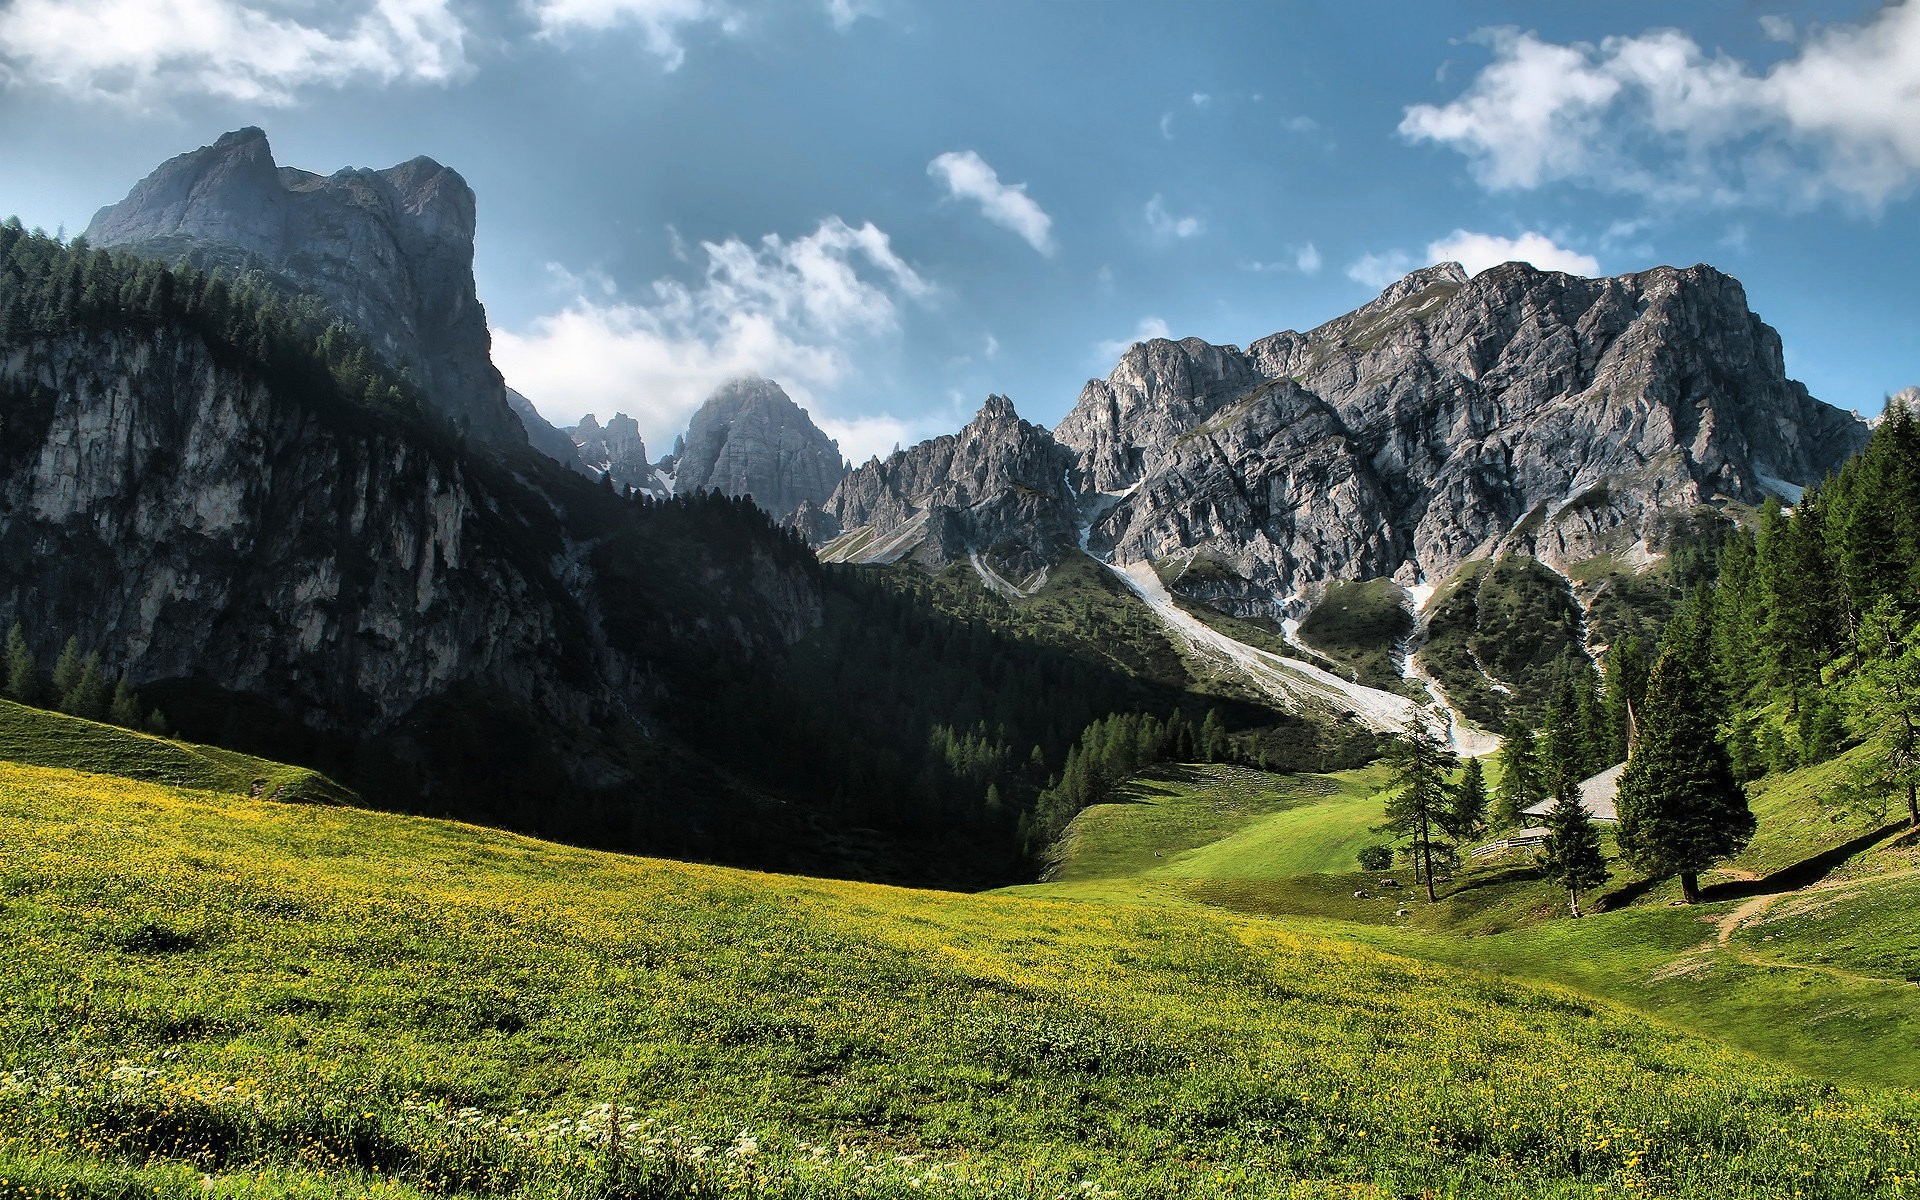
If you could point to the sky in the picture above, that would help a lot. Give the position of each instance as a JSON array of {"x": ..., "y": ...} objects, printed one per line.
[{"x": 897, "y": 207}]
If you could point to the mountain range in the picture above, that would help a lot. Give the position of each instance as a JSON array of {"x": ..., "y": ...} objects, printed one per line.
[{"x": 458, "y": 607}]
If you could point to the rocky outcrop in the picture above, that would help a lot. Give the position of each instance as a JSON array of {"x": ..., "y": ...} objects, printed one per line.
[
  {"x": 341, "y": 574},
  {"x": 391, "y": 252},
  {"x": 997, "y": 489},
  {"x": 1419, "y": 430},
  {"x": 750, "y": 439},
  {"x": 543, "y": 436},
  {"x": 616, "y": 451}
]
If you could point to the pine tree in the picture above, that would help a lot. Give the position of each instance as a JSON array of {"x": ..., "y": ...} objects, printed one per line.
[
  {"x": 124, "y": 709},
  {"x": 1626, "y": 687},
  {"x": 1885, "y": 697},
  {"x": 66, "y": 673},
  {"x": 1419, "y": 807},
  {"x": 1680, "y": 808},
  {"x": 1520, "y": 785},
  {"x": 89, "y": 695},
  {"x": 1466, "y": 814},
  {"x": 23, "y": 674},
  {"x": 1572, "y": 857}
]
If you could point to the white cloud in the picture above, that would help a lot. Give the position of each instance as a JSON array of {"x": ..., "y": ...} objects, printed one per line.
[
  {"x": 1306, "y": 259},
  {"x": 790, "y": 310},
  {"x": 1166, "y": 125},
  {"x": 1779, "y": 29},
  {"x": 1148, "y": 329},
  {"x": 1478, "y": 251},
  {"x": 660, "y": 22},
  {"x": 1657, "y": 115},
  {"x": 968, "y": 177},
  {"x": 1379, "y": 270},
  {"x": 1201, "y": 99},
  {"x": 254, "y": 51},
  {"x": 862, "y": 438},
  {"x": 1164, "y": 224}
]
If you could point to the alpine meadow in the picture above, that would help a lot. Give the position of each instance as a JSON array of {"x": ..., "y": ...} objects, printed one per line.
[{"x": 882, "y": 599}]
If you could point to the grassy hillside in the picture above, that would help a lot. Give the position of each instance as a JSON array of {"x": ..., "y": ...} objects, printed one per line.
[
  {"x": 1804, "y": 953},
  {"x": 49, "y": 739},
  {"x": 203, "y": 994},
  {"x": 1359, "y": 625}
]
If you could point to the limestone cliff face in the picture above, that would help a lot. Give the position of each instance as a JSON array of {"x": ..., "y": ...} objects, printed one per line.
[
  {"x": 543, "y": 436},
  {"x": 1421, "y": 429},
  {"x": 615, "y": 450},
  {"x": 389, "y": 251},
  {"x": 997, "y": 488},
  {"x": 751, "y": 439},
  {"x": 191, "y": 524}
]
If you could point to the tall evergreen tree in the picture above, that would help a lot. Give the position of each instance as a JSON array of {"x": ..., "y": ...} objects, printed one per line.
[
  {"x": 1626, "y": 687},
  {"x": 124, "y": 709},
  {"x": 23, "y": 674},
  {"x": 88, "y": 698},
  {"x": 1681, "y": 809},
  {"x": 1572, "y": 857},
  {"x": 1466, "y": 814},
  {"x": 1885, "y": 697},
  {"x": 66, "y": 673},
  {"x": 1419, "y": 805},
  {"x": 1520, "y": 770}
]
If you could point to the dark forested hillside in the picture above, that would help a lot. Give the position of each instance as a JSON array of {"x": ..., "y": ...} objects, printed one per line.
[{"x": 247, "y": 516}]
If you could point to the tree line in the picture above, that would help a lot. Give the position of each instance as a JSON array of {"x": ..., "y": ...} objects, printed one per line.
[{"x": 78, "y": 685}]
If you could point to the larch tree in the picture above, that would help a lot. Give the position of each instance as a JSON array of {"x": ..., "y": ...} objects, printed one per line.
[
  {"x": 1419, "y": 805},
  {"x": 1681, "y": 810}
]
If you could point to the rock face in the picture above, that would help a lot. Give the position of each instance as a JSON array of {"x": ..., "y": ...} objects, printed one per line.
[
  {"x": 1449, "y": 413},
  {"x": 997, "y": 489},
  {"x": 615, "y": 450},
  {"x": 750, "y": 439},
  {"x": 344, "y": 575},
  {"x": 541, "y": 434},
  {"x": 389, "y": 251}
]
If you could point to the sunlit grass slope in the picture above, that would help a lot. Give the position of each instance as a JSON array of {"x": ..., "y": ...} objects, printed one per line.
[
  {"x": 50, "y": 739},
  {"x": 1822, "y": 980},
  {"x": 202, "y": 994}
]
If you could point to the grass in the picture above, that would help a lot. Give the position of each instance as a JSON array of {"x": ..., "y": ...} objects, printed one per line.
[
  {"x": 1820, "y": 980},
  {"x": 1359, "y": 625},
  {"x": 42, "y": 738},
  {"x": 202, "y": 994}
]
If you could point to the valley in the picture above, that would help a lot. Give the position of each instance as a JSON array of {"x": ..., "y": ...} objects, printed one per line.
[
  {"x": 371, "y": 1004},
  {"x": 1466, "y": 749}
]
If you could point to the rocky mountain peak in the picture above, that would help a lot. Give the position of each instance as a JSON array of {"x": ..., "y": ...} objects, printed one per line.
[
  {"x": 615, "y": 450},
  {"x": 750, "y": 439},
  {"x": 389, "y": 251},
  {"x": 995, "y": 493}
]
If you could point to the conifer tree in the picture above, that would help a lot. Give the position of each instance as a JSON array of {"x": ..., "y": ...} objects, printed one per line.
[
  {"x": 1520, "y": 785},
  {"x": 1466, "y": 814},
  {"x": 1419, "y": 806},
  {"x": 89, "y": 695},
  {"x": 1626, "y": 686},
  {"x": 1885, "y": 697},
  {"x": 66, "y": 673},
  {"x": 1680, "y": 808},
  {"x": 1572, "y": 857},
  {"x": 124, "y": 709},
  {"x": 23, "y": 674}
]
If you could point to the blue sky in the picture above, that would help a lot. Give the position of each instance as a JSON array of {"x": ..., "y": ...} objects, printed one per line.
[{"x": 897, "y": 206}]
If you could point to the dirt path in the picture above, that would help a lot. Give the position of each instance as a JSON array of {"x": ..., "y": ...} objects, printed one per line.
[{"x": 1730, "y": 923}]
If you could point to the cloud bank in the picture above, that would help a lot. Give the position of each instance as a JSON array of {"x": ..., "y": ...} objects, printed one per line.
[
  {"x": 792, "y": 310},
  {"x": 1655, "y": 115},
  {"x": 260, "y": 52}
]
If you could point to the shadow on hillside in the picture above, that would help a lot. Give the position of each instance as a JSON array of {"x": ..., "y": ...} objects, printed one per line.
[
  {"x": 1625, "y": 895},
  {"x": 1805, "y": 873}
]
